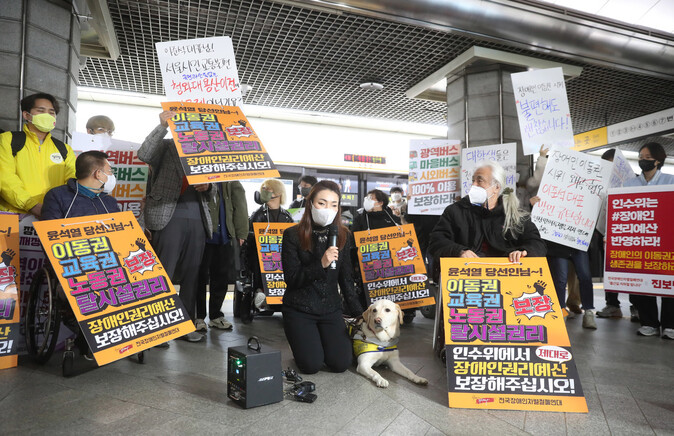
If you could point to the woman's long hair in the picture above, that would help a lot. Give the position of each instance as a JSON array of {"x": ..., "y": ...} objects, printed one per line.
[
  {"x": 306, "y": 223},
  {"x": 514, "y": 216}
]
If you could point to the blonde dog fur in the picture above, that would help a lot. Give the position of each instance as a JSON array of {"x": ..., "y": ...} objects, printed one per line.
[{"x": 381, "y": 324}]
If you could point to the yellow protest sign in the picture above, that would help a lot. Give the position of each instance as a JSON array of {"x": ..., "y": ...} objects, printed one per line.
[
  {"x": 9, "y": 290},
  {"x": 217, "y": 144},
  {"x": 268, "y": 241},
  {"x": 118, "y": 290},
  {"x": 506, "y": 342},
  {"x": 392, "y": 266}
]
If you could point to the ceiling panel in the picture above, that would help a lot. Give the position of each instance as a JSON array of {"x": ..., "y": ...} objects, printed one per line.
[{"x": 314, "y": 60}]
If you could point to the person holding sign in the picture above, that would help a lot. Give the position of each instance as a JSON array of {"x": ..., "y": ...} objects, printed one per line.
[
  {"x": 487, "y": 222},
  {"x": 315, "y": 257},
  {"x": 651, "y": 159},
  {"x": 177, "y": 214},
  {"x": 272, "y": 195}
]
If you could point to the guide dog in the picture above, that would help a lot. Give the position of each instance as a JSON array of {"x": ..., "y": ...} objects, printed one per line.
[{"x": 375, "y": 342}]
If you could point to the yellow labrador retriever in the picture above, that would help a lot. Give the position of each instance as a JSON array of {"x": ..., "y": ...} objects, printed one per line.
[{"x": 376, "y": 343}]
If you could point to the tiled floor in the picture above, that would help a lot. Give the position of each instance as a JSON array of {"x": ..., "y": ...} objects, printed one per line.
[{"x": 628, "y": 381}]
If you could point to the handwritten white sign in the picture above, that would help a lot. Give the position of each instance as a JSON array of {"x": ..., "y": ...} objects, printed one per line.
[
  {"x": 200, "y": 71},
  {"x": 434, "y": 180},
  {"x": 621, "y": 172},
  {"x": 542, "y": 109},
  {"x": 503, "y": 154},
  {"x": 571, "y": 194}
]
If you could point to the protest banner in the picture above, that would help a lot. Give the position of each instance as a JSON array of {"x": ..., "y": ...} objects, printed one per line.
[
  {"x": 392, "y": 267},
  {"x": 542, "y": 109},
  {"x": 200, "y": 70},
  {"x": 505, "y": 339},
  {"x": 434, "y": 180},
  {"x": 131, "y": 173},
  {"x": 269, "y": 241},
  {"x": 9, "y": 290},
  {"x": 639, "y": 240},
  {"x": 217, "y": 144},
  {"x": 571, "y": 193},
  {"x": 118, "y": 290},
  {"x": 503, "y": 154}
]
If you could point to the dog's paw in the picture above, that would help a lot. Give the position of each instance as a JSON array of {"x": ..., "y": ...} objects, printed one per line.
[
  {"x": 420, "y": 381},
  {"x": 381, "y": 382}
]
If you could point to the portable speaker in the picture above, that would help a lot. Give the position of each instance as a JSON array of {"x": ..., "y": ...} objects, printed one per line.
[{"x": 254, "y": 376}]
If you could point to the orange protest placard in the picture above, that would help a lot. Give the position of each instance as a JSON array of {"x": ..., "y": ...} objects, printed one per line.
[
  {"x": 9, "y": 290},
  {"x": 217, "y": 144},
  {"x": 118, "y": 290},
  {"x": 506, "y": 342},
  {"x": 392, "y": 266},
  {"x": 268, "y": 241}
]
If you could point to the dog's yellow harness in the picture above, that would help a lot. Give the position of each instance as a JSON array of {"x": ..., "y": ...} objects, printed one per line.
[{"x": 361, "y": 347}]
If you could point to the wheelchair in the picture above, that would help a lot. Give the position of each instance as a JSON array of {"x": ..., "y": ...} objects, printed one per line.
[
  {"x": 244, "y": 290},
  {"x": 47, "y": 307}
]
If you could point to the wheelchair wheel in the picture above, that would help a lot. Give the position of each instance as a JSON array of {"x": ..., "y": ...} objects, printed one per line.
[
  {"x": 428, "y": 311},
  {"x": 246, "y": 309},
  {"x": 43, "y": 316},
  {"x": 236, "y": 306}
]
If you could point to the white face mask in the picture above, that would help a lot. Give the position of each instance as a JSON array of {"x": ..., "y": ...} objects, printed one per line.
[
  {"x": 368, "y": 204},
  {"x": 109, "y": 184},
  {"x": 397, "y": 197},
  {"x": 477, "y": 195},
  {"x": 323, "y": 217}
]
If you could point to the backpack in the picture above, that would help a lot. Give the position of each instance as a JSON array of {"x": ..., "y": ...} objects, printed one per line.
[{"x": 19, "y": 141}]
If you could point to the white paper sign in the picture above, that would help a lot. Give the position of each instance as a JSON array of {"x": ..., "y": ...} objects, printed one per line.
[
  {"x": 542, "y": 109},
  {"x": 200, "y": 71},
  {"x": 434, "y": 180},
  {"x": 621, "y": 172},
  {"x": 572, "y": 190},
  {"x": 503, "y": 154}
]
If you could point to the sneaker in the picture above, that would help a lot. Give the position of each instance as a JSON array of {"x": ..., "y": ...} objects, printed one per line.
[
  {"x": 193, "y": 337},
  {"x": 200, "y": 325},
  {"x": 634, "y": 314},
  {"x": 259, "y": 299},
  {"x": 610, "y": 312},
  {"x": 567, "y": 315},
  {"x": 588, "y": 320},
  {"x": 574, "y": 308},
  {"x": 648, "y": 331},
  {"x": 668, "y": 334},
  {"x": 220, "y": 323}
]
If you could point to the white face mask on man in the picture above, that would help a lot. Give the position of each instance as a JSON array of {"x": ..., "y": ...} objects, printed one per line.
[
  {"x": 396, "y": 197},
  {"x": 368, "y": 204},
  {"x": 478, "y": 195},
  {"x": 109, "y": 184}
]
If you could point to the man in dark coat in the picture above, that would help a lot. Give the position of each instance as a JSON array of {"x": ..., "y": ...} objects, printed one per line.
[{"x": 88, "y": 194}]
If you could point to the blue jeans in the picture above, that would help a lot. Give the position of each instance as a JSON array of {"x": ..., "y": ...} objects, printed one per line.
[{"x": 559, "y": 268}]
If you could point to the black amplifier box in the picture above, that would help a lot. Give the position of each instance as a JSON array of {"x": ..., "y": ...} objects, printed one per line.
[{"x": 254, "y": 376}]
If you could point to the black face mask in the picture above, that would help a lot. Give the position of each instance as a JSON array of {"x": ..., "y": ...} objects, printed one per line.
[{"x": 646, "y": 165}]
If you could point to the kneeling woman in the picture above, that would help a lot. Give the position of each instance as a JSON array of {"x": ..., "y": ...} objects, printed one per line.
[{"x": 312, "y": 304}]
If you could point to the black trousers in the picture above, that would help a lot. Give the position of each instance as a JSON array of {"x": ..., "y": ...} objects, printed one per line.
[
  {"x": 216, "y": 269},
  {"x": 648, "y": 311},
  {"x": 179, "y": 247},
  {"x": 318, "y": 339}
]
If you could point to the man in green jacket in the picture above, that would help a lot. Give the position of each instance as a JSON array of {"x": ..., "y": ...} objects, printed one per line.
[{"x": 229, "y": 214}]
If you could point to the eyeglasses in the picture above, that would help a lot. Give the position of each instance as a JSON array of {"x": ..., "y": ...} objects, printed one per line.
[{"x": 98, "y": 130}]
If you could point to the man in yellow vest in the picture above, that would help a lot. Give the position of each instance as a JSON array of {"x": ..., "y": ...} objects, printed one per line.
[{"x": 32, "y": 161}]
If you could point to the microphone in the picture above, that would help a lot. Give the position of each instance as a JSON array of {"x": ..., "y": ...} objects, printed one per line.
[{"x": 332, "y": 241}]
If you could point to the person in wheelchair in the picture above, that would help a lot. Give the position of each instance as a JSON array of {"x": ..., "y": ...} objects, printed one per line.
[
  {"x": 87, "y": 194},
  {"x": 271, "y": 196}
]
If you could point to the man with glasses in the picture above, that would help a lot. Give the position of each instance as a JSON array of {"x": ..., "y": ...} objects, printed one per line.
[
  {"x": 33, "y": 161},
  {"x": 100, "y": 124}
]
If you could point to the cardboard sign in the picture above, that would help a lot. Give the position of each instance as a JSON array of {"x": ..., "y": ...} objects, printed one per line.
[
  {"x": 131, "y": 172},
  {"x": 572, "y": 190},
  {"x": 640, "y": 240},
  {"x": 392, "y": 267},
  {"x": 269, "y": 242},
  {"x": 503, "y": 154},
  {"x": 200, "y": 70},
  {"x": 506, "y": 342},
  {"x": 9, "y": 290},
  {"x": 542, "y": 109},
  {"x": 121, "y": 296},
  {"x": 217, "y": 144},
  {"x": 434, "y": 180}
]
